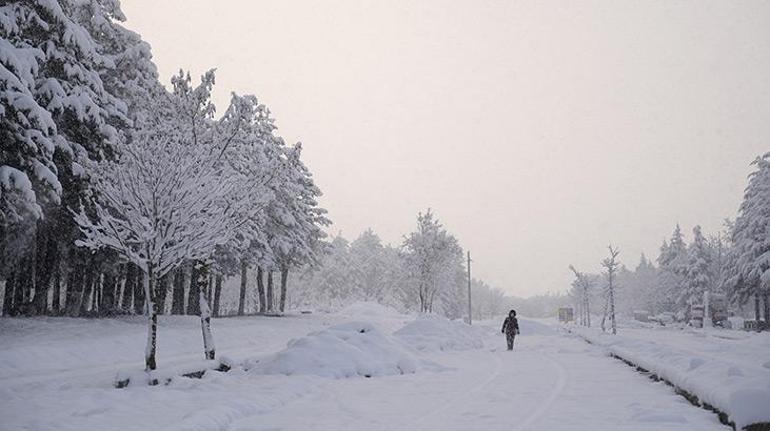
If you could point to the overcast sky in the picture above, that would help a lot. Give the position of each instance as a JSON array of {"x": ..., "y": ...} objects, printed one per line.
[{"x": 537, "y": 131}]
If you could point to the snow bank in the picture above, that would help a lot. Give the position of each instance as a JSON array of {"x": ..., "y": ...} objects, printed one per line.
[
  {"x": 435, "y": 333},
  {"x": 740, "y": 391},
  {"x": 346, "y": 350}
]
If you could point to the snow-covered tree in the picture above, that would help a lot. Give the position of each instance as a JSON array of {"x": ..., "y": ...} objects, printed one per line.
[
  {"x": 697, "y": 272},
  {"x": 610, "y": 265},
  {"x": 583, "y": 284},
  {"x": 296, "y": 221},
  {"x": 370, "y": 268},
  {"x": 65, "y": 100},
  {"x": 168, "y": 199},
  {"x": 751, "y": 234},
  {"x": 430, "y": 253}
]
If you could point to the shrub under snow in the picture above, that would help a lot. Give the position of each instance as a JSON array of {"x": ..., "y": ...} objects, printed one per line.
[{"x": 346, "y": 350}]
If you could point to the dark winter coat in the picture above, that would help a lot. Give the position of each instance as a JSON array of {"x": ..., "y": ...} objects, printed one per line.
[{"x": 511, "y": 326}]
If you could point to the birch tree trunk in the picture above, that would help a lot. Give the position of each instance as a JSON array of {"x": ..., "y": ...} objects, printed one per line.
[
  {"x": 612, "y": 307},
  {"x": 209, "y": 351},
  {"x": 152, "y": 319}
]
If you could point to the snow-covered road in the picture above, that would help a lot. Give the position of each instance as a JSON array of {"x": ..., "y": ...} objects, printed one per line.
[
  {"x": 551, "y": 381},
  {"x": 56, "y": 375}
]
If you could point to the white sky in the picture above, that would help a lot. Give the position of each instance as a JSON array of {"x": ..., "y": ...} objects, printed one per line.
[{"x": 537, "y": 131}]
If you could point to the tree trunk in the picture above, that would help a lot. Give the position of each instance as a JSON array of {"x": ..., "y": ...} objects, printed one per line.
[
  {"x": 284, "y": 281},
  {"x": 56, "y": 296},
  {"x": 24, "y": 284},
  {"x": 261, "y": 290},
  {"x": 148, "y": 282},
  {"x": 612, "y": 309},
  {"x": 161, "y": 291},
  {"x": 177, "y": 296},
  {"x": 217, "y": 294},
  {"x": 193, "y": 302},
  {"x": 46, "y": 262},
  {"x": 97, "y": 296},
  {"x": 242, "y": 292},
  {"x": 140, "y": 295},
  {"x": 132, "y": 277},
  {"x": 209, "y": 351},
  {"x": 10, "y": 283},
  {"x": 757, "y": 315},
  {"x": 88, "y": 289},
  {"x": 74, "y": 287},
  {"x": 109, "y": 286},
  {"x": 765, "y": 297},
  {"x": 270, "y": 303},
  {"x": 604, "y": 313}
]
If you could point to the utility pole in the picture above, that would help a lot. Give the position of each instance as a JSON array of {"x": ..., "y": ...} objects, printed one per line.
[{"x": 470, "y": 322}]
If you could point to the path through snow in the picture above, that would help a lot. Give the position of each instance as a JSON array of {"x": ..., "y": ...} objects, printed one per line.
[{"x": 551, "y": 381}]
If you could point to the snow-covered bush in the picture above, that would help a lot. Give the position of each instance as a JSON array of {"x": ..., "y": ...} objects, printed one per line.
[{"x": 347, "y": 350}]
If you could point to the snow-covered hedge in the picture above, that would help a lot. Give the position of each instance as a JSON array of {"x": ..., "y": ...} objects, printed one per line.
[
  {"x": 742, "y": 394},
  {"x": 346, "y": 350}
]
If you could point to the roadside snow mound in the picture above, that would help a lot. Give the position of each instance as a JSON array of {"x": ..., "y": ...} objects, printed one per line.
[
  {"x": 434, "y": 333},
  {"x": 342, "y": 351},
  {"x": 369, "y": 309},
  {"x": 737, "y": 389}
]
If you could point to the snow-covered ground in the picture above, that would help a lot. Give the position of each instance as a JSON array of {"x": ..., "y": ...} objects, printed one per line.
[
  {"x": 57, "y": 374},
  {"x": 729, "y": 370}
]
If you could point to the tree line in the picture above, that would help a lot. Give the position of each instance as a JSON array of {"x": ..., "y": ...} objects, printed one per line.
[
  {"x": 734, "y": 262},
  {"x": 116, "y": 193},
  {"x": 425, "y": 273}
]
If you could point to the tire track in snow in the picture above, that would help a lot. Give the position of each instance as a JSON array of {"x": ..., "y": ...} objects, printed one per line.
[
  {"x": 561, "y": 383},
  {"x": 421, "y": 422}
]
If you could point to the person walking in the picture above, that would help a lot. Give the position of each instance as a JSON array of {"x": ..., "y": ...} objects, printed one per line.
[{"x": 511, "y": 328}]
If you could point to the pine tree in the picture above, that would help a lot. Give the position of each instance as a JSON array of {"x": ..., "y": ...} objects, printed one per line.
[
  {"x": 697, "y": 273},
  {"x": 750, "y": 233}
]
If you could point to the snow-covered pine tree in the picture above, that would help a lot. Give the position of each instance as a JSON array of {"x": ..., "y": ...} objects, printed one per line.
[
  {"x": 296, "y": 228},
  {"x": 672, "y": 262},
  {"x": 697, "y": 272},
  {"x": 750, "y": 238},
  {"x": 59, "y": 63}
]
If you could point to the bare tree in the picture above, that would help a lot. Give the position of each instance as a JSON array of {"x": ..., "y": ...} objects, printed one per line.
[
  {"x": 583, "y": 283},
  {"x": 611, "y": 265}
]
